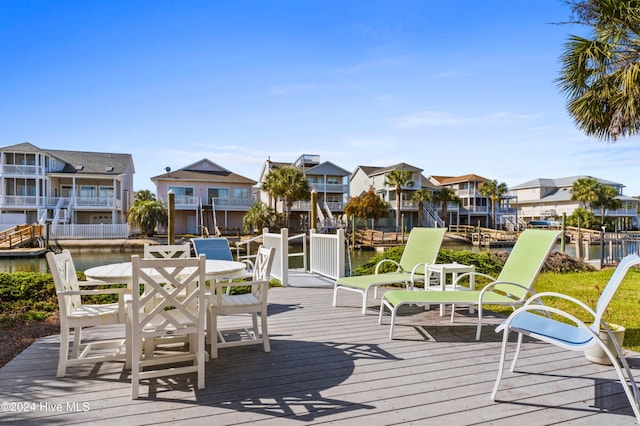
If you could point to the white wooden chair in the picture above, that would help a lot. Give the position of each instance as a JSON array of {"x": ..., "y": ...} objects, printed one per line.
[
  {"x": 167, "y": 302},
  {"x": 171, "y": 251},
  {"x": 75, "y": 315},
  {"x": 254, "y": 303}
]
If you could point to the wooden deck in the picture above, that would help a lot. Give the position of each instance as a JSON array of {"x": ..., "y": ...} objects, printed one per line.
[{"x": 329, "y": 365}]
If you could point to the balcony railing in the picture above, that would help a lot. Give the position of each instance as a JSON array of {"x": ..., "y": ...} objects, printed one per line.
[
  {"x": 29, "y": 201},
  {"x": 222, "y": 203},
  {"x": 22, "y": 170},
  {"x": 330, "y": 187}
]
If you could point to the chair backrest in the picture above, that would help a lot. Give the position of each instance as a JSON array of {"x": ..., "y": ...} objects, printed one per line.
[
  {"x": 612, "y": 286},
  {"x": 263, "y": 263},
  {"x": 164, "y": 288},
  {"x": 422, "y": 246},
  {"x": 526, "y": 259},
  {"x": 171, "y": 251},
  {"x": 212, "y": 248},
  {"x": 65, "y": 278}
]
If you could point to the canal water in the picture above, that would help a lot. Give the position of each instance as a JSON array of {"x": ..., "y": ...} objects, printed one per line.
[{"x": 84, "y": 260}]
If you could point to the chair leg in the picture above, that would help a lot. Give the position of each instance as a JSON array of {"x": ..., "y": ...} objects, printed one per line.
[
  {"x": 254, "y": 320},
  {"x": 364, "y": 301},
  {"x": 335, "y": 295},
  {"x": 517, "y": 352},
  {"x": 393, "y": 321},
  {"x": 265, "y": 332},
  {"x": 77, "y": 337},
  {"x": 479, "y": 329},
  {"x": 503, "y": 352},
  {"x": 64, "y": 352},
  {"x": 213, "y": 332}
]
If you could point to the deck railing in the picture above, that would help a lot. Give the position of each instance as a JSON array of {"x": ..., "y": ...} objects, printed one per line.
[
  {"x": 80, "y": 232},
  {"x": 327, "y": 254}
]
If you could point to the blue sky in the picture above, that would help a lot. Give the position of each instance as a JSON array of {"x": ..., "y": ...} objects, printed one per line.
[{"x": 452, "y": 87}]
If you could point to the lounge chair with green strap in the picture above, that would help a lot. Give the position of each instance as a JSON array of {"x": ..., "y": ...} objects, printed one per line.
[
  {"x": 422, "y": 248},
  {"x": 511, "y": 288}
]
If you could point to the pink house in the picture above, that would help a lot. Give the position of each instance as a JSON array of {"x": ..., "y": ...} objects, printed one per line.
[{"x": 207, "y": 196}]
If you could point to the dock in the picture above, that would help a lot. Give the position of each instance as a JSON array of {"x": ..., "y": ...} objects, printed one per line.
[{"x": 330, "y": 366}]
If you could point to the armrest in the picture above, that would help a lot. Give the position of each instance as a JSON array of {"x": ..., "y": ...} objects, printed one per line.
[
  {"x": 538, "y": 296},
  {"x": 387, "y": 260}
]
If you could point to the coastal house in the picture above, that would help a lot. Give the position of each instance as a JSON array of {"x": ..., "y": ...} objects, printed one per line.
[
  {"x": 551, "y": 198},
  {"x": 63, "y": 187},
  {"x": 366, "y": 177},
  {"x": 330, "y": 182},
  {"x": 208, "y": 197}
]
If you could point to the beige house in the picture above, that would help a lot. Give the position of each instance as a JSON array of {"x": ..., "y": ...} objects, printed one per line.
[
  {"x": 207, "y": 195},
  {"x": 551, "y": 198},
  {"x": 330, "y": 182},
  {"x": 366, "y": 177},
  {"x": 64, "y": 187}
]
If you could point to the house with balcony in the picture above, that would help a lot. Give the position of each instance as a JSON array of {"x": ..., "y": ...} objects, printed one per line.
[
  {"x": 366, "y": 177},
  {"x": 543, "y": 198},
  {"x": 330, "y": 182},
  {"x": 64, "y": 187},
  {"x": 208, "y": 197}
]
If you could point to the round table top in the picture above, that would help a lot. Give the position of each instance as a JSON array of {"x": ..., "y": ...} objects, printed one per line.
[{"x": 121, "y": 272}]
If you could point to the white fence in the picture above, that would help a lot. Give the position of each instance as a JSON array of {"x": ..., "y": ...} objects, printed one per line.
[
  {"x": 327, "y": 254},
  {"x": 80, "y": 232}
]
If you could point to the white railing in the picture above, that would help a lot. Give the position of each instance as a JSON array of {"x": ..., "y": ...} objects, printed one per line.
[
  {"x": 80, "y": 232},
  {"x": 22, "y": 169},
  {"x": 20, "y": 200},
  {"x": 95, "y": 202},
  {"x": 280, "y": 267},
  {"x": 327, "y": 254}
]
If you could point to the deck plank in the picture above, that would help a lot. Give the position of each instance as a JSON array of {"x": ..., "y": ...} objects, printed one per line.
[{"x": 332, "y": 365}]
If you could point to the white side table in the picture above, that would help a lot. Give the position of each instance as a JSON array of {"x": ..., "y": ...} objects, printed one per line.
[{"x": 445, "y": 269}]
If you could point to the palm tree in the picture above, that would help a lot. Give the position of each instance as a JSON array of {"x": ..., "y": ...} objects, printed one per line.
[
  {"x": 585, "y": 190},
  {"x": 494, "y": 191},
  {"x": 144, "y": 195},
  {"x": 606, "y": 200},
  {"x": 290, "y": 184},
  {"x": 600, "y": 72},
  {"x": 421, "y": 196},
  {"x": 258, "y": 216},
  {"x": 397, "y": 179},
  {"x": 445, "y": 195},
  {"x": 146, "y": 214}
]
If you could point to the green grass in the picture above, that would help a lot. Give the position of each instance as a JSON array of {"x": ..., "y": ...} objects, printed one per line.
[{"x": 624, "y": 309}]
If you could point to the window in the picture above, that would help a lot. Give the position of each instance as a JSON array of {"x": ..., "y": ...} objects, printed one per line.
[
  {"x": 240, "y": 192},
  {"x": 105, "y": 192},
  {"x": 87, "y": 191},
  {"x": 333, "y": 180},
  {"x": 220, "y": 194},
  {"x": 181, "y": 191}
]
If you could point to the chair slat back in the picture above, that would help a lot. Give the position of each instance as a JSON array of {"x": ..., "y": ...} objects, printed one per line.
[
  {"x": 422, "y": 246},
  {"x": 263, "y": 263},
  {"x": 171, "y": 251},
  {"x": 526, "y": 259},
  {"x": 612, "y": 286},
  {"x": 165, "y": 288},
  {"x": 212, "y": 248},
  {"x": 65, "y": 278}
]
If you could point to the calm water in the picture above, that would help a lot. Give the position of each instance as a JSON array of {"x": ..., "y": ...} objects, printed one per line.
[{"x": 84, "y": 261}]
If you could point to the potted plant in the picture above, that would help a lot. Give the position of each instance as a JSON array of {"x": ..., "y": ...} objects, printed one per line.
[{"x": 597, "y": 354}]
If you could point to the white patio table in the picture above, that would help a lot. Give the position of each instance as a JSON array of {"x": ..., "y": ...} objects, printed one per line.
[{"x": 120, "y": 273}]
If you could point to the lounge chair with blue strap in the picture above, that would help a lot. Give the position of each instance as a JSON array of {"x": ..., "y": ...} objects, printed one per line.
[
  {"x": 422, "y": 248},
  {"x": 533, "y": 320},
  {"x": 512, "y": 286}
]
